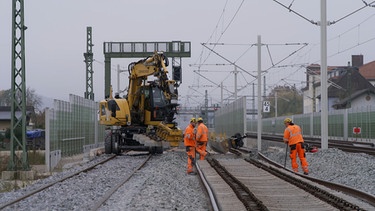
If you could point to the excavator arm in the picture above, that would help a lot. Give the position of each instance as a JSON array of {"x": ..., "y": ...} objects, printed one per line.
[{"x": 139, "y": 72}]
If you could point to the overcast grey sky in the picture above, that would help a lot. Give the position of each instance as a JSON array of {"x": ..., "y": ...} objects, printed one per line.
[{"x": 56, "y": 41}]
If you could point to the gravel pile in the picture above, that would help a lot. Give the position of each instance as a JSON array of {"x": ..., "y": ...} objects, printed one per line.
[
  {"x": 164, "y": 185},
  {"x": 351, "y": 169}
]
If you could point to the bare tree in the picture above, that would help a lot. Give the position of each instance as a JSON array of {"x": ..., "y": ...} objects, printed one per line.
[
  {"x": 5, "y": 97},
  {"x": 32, "y": 99}
]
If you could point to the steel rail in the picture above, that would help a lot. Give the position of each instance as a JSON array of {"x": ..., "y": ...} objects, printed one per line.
[
  {"x": 368, "y": 198},
  {"x": 110, "y": 192},
  {"x": 323, "y": 195},
  {"x": 338, "y": 187},
  {"x": 243, "y": 193},
  {"x": 358, "y": 194},
  {"x": 53, "y": 183},
  {"x": 211, "y": 194}
]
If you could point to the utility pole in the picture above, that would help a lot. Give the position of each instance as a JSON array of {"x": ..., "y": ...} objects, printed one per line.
[
  {"x": 118, "y": 78},
  {"x": 323, "y": 76},
  {"x": 259, "y": 129},
  {"x": 89, "y": 94},
  {"x": 253, "y": 99},
  {"x": 235, "y": 82},
  {"x": 264, "y": 86},
  {"x": 206, "y": 106},
  {"x": 275, "y": 104},
  {"x": 313, "y": 94},
  {"x": 18, "y": 123},
  {"x": 222, "y": 94}
]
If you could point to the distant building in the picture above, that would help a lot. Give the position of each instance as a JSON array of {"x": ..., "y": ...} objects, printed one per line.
[
  {"x": 349, "y": 86},
  {"x": 5, "y": 116}
]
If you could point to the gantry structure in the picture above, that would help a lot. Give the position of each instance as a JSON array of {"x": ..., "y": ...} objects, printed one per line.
[{"x": 175, "y": 50}]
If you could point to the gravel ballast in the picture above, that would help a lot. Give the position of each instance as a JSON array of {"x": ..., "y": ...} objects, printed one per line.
[
  {"x": 164, "y": 185},
  {"x": 351, "y": 169}
]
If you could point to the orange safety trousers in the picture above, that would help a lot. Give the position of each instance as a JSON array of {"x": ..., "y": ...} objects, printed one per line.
[
  {"x": 298, "y": 149},
  {"x": 202, "y": 138},
  {"x": 201, "y": 149},
  {"x": 191, "y": 159}
]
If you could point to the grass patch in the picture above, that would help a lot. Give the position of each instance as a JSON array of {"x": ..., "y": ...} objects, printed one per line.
[
  {"x": 36, "y": 158},
  {"x": 7, "y": 186}
]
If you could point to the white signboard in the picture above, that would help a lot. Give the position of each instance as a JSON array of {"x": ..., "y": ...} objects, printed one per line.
[{"x": 266, "y": 106}]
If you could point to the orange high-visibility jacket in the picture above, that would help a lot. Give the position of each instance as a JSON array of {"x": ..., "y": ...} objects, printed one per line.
[
  {"x": 202, "y": 133},
  {"x": 293, "y": 134},
  {"x": 189, "y": 137}
]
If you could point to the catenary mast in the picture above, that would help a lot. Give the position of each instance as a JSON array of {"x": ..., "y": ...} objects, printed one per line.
[{"x": 18, "y": 91}]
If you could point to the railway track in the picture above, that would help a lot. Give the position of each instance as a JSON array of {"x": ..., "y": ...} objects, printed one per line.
[
  {"x": 100, "y": 172},
  {"x": 121, "y": 182},
  {"x": 258, "y": 186},
  {"x": 162, "y": 184},
  {"x": 341, "y": 188}
]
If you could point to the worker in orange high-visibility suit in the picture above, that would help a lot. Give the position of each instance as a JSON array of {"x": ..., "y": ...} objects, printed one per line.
[
  {"x": 293, "y": 137},
  {"x": 202, "y": 138},
  {"x": 190, "y": 143}
]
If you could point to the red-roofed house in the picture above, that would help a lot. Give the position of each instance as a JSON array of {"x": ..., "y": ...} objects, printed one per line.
[{"x": 368, "y": 72}]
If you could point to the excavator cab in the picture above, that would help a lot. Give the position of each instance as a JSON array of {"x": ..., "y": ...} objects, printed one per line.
[{"x": 157, "y": 107}]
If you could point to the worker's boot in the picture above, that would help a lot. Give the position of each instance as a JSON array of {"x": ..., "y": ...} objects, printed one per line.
[{"x": 191, "y": 172}]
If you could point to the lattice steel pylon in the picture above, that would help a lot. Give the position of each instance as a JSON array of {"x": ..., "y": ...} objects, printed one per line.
[
  {"x": 89, "y": 94},
  {"x": 18, "y": 123}
]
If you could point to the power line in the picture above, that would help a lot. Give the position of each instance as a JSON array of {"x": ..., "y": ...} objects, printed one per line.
[
  {"x": 235, "y": 14},
  {"x": 331, "y": 22},
  {"x": 226, "y": 28},
  {"x": 355, "y": 11},
  {"x": 275, "y": 64},
  {"x": 228, "y": 60},
  {"x": 367, "y": 4},
  {"x": 208, "y": 79},
  {"x": 339, "y": 36},
  {"x": 354, "y": 46},
  {"x": 200, "y": 58},
  {"x": 291, "y": 54},
  {"x": 290, "y": 10},
  {"x": 112, "y": 65}
]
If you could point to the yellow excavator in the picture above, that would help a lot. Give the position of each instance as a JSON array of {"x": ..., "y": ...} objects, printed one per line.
[{"x": 143, "y": 120}]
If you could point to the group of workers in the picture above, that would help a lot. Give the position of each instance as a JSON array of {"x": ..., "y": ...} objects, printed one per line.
[
  {"x": 196, "y": 138},
  {"x": 195, "y": 141}
]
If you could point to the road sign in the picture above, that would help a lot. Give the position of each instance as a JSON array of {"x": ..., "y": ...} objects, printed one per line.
[{"x": 266, "y": 106}]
